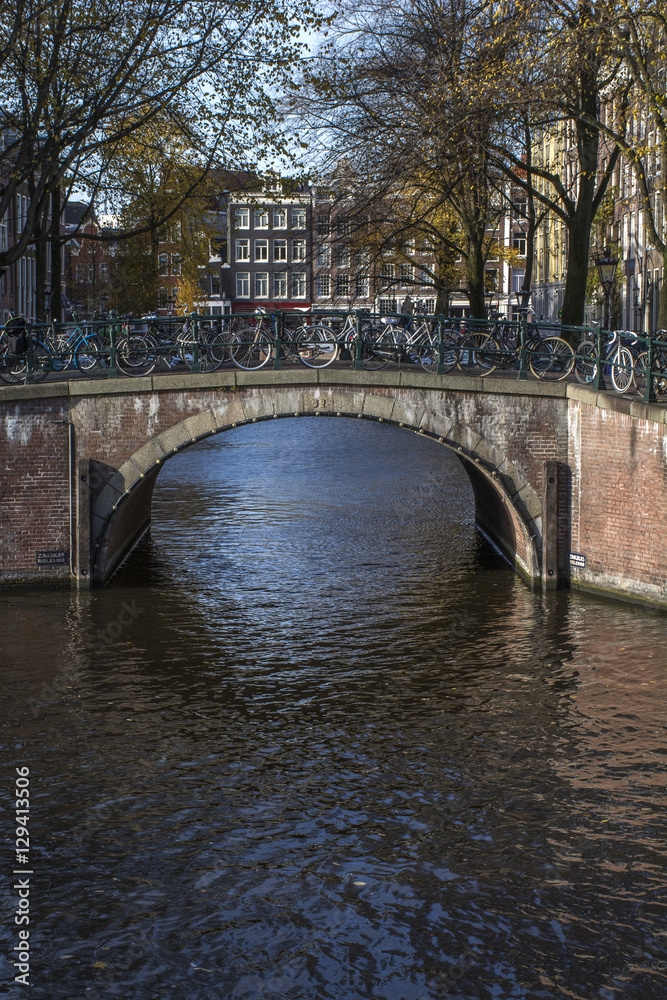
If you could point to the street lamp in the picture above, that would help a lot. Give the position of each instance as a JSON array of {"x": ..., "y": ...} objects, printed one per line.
[
  {"x": 522, "y": 297},
  {"x": 606, "y": 265}
]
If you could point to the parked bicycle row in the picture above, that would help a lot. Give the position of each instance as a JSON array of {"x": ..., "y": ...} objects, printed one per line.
[{"x": 136, "y": 347}]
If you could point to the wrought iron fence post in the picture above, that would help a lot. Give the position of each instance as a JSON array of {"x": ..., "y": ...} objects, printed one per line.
[
  {"x": 194, "y": 367},
  {"x": 598, "y": 379},
  {"x": 29, "y": 377},
  {"x": 441, "y": 370},
  {"x": 279, "y": 326},
  {"x": 649, "y": 392},
  {"x": 523, "y": 353},
  {"x": 113, "y": 334},
  {"x": 358, "y": 344}
]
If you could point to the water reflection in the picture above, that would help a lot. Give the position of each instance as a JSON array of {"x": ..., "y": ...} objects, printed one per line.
[{"x": 317, "y": 741}]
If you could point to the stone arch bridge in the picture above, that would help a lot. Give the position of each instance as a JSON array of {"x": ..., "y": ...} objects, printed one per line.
[{"x": 570, "y": 483}]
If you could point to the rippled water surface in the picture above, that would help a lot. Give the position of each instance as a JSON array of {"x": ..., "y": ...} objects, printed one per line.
[{"x": 316, "y": 740}]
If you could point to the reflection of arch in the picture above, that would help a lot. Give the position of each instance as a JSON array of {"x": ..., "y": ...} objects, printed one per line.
[{"x": 506, "y": 505}]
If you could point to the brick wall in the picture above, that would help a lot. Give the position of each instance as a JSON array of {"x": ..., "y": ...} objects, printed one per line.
[
  {"x": 34, "y": 490},
  {"x": 619, "y": 499}
]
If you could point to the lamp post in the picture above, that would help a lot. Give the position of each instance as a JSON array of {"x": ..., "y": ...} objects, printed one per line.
[{"x": 606, "y": 265}]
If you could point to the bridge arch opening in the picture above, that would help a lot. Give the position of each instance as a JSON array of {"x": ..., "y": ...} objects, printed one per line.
[{"x": 507, "y": 509}]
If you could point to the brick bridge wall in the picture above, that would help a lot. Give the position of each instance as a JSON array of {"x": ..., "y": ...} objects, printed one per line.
[{"x": 81, "y": 465}]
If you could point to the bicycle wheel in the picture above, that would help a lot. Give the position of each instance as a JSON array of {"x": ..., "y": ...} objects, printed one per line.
[
  {"x": 553, "y": 360},
  {"x": 621, "y": 370},
  {"x": 250, "y": 349},
  {"x": 135, "y": 355},
  {"x": 659, "y": 373},
  {"x": 477, "y": 354},
  {"x": 92, "y": 357},
  {"x": 585, "y": 368},
  {"x": 216, "y": 352},
  {"x": 316, "y": 346},
  {"x": 13, "y": 368},
  {"x": 371, "y": 360}
]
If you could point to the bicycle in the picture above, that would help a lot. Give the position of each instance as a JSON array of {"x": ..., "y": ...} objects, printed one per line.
[
  {"x": 251, "y": 346},
  {"x": 21, "y": 355},
  {"x": 658, "y": 368},
  {"x": 313, "y": 344},
  {"x": 618, "y": 359},
  {"x": 480, "y": 352}
]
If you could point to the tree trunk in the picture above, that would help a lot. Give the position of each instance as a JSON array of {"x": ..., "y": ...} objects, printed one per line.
[
  {"x": 475, "y": 275},
  {"x": 662, "y": 310},
  {"x": 56, "y": 257},
  {"x": 579, "y": 232}
]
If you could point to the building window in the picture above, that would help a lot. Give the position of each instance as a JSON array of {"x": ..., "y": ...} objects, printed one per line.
[
  {"x": 361, "y": 287},
  {"x": 324, "y": 256},
  {"x": 323, "y": 286},
  {"x": 387, "y": 271},
  {"x": 163, "y": 264},
  {"x": 162, "y": 300},
  {"x": 323, "y": 225},
  {"x": 243, "y": 285},
  {"x": 279, "y": 218},
  {"x": 298, "y": 249},
  {"x": 261, "y": 218},
  {"x": 342, "y": 257},
  {"x": 388, "y": 305},
  {"x": 176, "y": 264},
  {"x": 519, "y": 244},
  {"x": 261, "y": 284},
  {"x": 242, "y": 217},
  {"x": 298, "y": 218},
  {"x": 517, "y": 280},
  {"x": 407, "y": 273},
  {"x": 280, "y": 285},
  {"x": 261, "y": 249},
  {"x": 342, "y": 227},
  {"x": 342, "y": 285},
  {"x": 104, "y": 271},
  {"x": 243, "y": 249},
  {"x": 298, "y": 285},
  {"x": 280, "y": 249}
]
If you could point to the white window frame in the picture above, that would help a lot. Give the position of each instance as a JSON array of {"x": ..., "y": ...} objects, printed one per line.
[
  {"x": 242, "y": 218},
  {"x": 243, "y": 284},
  {"x": 280, "y": 284},
  {"x": 298, "y": 218},
  {"x": 323, "y": 286},
  {"x": 342, "y": 286},
  {"x": 261, "y": 284},
  {"x": 261, "y": 218},
  {"x": 361, "y": 286},
  {"x": 279, "y": 218},
  {"x": 298, "y": 284},
  {"x": 280, "y": 250},
  {"x": 298, "y": 250},
  {"x": 176, "y": 264},
  {"x": 261, "y": 250},
  {"x": 242, "y": 250}
]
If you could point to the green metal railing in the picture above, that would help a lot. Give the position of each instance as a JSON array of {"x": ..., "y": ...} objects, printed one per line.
[{"x": 115, "y": 347}]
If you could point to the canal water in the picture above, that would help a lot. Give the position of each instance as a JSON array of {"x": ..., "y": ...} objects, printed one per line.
[{"x": 316, "y": 740}]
